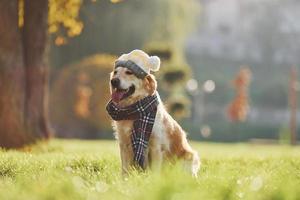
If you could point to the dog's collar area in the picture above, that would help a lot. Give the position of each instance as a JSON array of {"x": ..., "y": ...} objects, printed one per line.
[{"x": 136, "y": 70}]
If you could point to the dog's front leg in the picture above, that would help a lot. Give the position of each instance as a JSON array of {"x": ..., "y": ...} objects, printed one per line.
[
  {"x": 156, "y": 158},
  {"x": 126, "y": 157}
]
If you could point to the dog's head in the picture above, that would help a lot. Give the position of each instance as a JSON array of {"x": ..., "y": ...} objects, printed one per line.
[{"x": 131, "y": 79}]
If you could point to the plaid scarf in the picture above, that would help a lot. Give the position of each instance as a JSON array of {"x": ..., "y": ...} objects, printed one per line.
[{"x": 143, "y": 113}]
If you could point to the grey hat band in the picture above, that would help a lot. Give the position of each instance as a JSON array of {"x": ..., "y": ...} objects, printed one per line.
[{"x": 136, "y": 70}]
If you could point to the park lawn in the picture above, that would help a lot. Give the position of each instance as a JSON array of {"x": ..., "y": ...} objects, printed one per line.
[{"x": 74, "y": 169}]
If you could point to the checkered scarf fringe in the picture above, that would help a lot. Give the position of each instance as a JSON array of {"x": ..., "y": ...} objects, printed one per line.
[{"x": 143, "y": 113}]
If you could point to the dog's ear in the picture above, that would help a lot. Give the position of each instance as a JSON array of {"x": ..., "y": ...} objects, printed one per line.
[{"x": 150, "y": 84}]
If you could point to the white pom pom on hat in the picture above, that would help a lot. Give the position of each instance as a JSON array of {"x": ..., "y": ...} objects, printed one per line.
[{"x": 154, "y": 63}]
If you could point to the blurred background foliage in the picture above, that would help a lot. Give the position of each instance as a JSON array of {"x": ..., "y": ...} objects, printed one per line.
[
  {"x": 115, "y": 27},
  {"x": 263, "y": 35},
  {"x": 64, "y": 19},
  {"x": 78, "y": 97},
  {"x": 203, "y": 46}
]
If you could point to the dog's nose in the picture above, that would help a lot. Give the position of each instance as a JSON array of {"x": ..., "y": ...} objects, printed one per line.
[{"x": 115, "y": 82}]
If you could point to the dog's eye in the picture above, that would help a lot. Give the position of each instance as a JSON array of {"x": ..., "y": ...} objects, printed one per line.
[
  {"x": 128, "y": 72},
  {"x": 115, "y": 72}
]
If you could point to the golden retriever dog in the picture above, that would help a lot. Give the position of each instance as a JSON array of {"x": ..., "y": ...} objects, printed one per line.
[{"x": 167, "y": 140}]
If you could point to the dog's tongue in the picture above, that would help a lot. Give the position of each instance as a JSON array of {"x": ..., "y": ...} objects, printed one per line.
[{"x": 117, "y": 95}]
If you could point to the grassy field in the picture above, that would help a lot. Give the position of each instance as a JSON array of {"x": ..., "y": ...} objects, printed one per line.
[{"x": 90, "y": 170}]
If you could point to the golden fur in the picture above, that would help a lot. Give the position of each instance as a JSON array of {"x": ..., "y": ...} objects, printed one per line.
[{"x": 168, "y": 140}]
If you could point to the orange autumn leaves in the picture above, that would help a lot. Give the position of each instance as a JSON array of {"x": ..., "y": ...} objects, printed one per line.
[
  {"x": 63, "y": 19},
  {"x": 239, "y": 107},
  {"x": 83, "y": 94}
]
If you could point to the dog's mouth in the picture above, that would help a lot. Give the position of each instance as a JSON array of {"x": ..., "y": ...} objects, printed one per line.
[{"x": 119, "y": 94}]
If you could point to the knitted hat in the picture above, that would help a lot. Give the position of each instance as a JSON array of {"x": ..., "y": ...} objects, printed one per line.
[{"x": 143, "y": 60}]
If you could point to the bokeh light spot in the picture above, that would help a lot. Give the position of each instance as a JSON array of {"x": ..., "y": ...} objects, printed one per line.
[{"x": 209, "y": 86}]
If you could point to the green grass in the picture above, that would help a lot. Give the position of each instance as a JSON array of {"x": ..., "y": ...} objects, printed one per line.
[{"x": 91, "y": 170}]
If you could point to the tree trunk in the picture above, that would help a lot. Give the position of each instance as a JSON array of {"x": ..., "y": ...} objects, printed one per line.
[
  {"x": 23, "y": 73},
  {"x": 293, "y": 105},
  {"x": 11, "y": 77},
  {"x": 36, "y": 70}
]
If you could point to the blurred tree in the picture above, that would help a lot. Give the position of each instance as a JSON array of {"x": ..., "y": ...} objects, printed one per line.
[
  {"x": 175, "y": 19},
  {"x": 239, "y": 107},
  {"x": 112, "y": 27},
  {"x": 116, "y": 27},
  {"x": 172, "y": 76},
  {"x": 79, "y": 94},
  {"x": 293, "y": 104},
  {"x": 160, "y": 27},
  {"x": 24, "y": 71}
]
